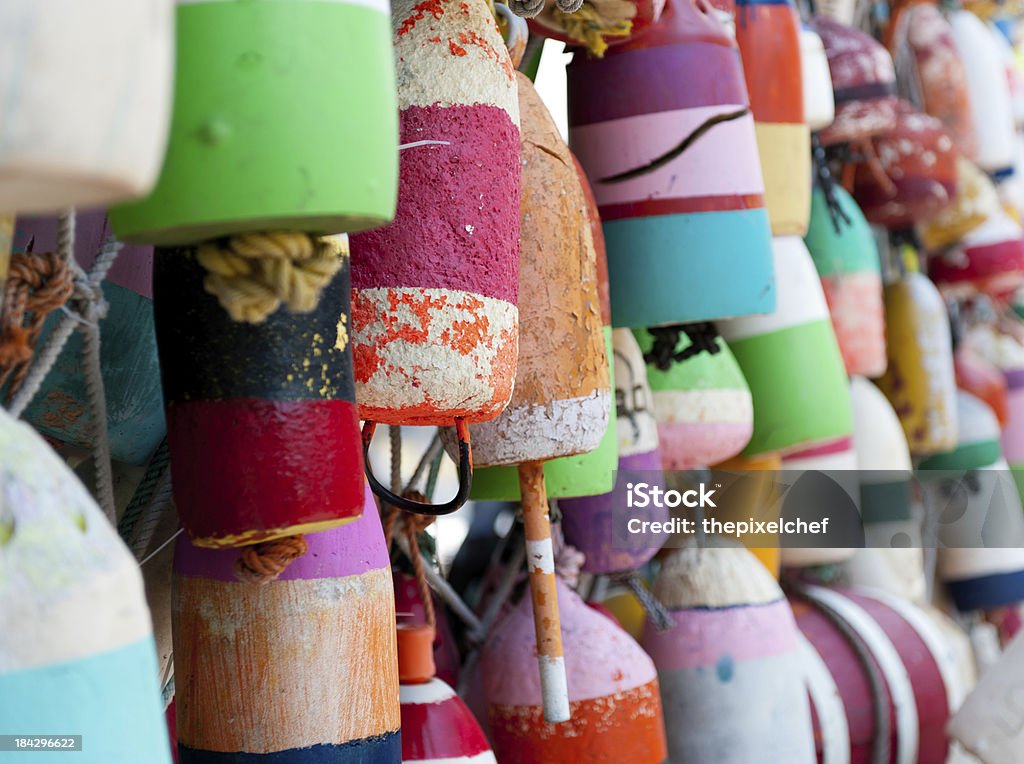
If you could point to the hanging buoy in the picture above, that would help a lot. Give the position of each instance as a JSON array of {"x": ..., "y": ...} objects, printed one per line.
[
  {"x": 76, "y": 648},
  {"x": 702, "y": 404},
  {"x": 240, "y": 158},
  {"x": 302, "y": 669},
  {"x": 675, "y": 171},
  {"x": 87, "y": 101},
  {"x": 989, "y": 260},
  {"x": 843, "y": 248},
  {"x": 791, "y": 361},
  {"x": 616, "y": 708},
  {"x": 819, "y": 100},
  {"x": 768, "y": 35},
  {"x": 975, "y": 202},
  {"x": 436, "y": 725},
  {"x": 731, "y": 684},
  {"x": 590, "y": 523},
  {"x": 984, "y": 380},
  {"x": 261, "y": 418},
  {"x": 759, "y": 477}
]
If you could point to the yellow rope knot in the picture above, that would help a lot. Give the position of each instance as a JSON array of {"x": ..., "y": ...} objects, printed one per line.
[
  {"x": 587, "y": 27},
  {"x": 251, "y": 275}
]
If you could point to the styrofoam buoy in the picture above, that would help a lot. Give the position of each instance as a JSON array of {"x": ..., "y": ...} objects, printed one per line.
[
  {"x": 434, "y": 317},
  {"x": 668, "y": 200},
  {"x": 791, "y": 361},
  {"x": 436, "y": 725},
  {"x": 846, "y": 258},
  {"x": 819, "y": 100},
  {"x": 239, "y": 160},
  {"x": 989, "y": 259},
  {"x": 863, "y": 82},
  {"x": 988, "y": 92},
  {"x": 702, "y": 404},
  {"x": 589, "y": 523},
  {"x": 261, "y": 418},
  {"x": 598, "y": 24},
  {"x": 82, "y": 129},
  {"x": 128, "y": 358},
  {"x": 729, "y": 671},
  {"x": 302, "y": 669},
  {"x": 76, "y": 649},
  {"x": 768, "y": 35},
  {"x": 975, "y": 202},
  {"x": 613, "y": 691},
  {"x": 919, "y": 380}
]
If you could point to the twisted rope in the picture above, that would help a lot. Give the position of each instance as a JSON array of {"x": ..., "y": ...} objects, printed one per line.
[
  {"x": 656, "y": 612},
  {"x": 703, "y": 339},
  {"x": 262, "y": 563}
]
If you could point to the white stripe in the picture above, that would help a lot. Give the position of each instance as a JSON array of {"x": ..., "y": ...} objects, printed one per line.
[
  {"x": 484, "y": 757},
  {"x": 901, "y": 690},
  {"x": 384, "y": 6},
  {"x": 540, "y": 556},
  {"x": 554, "y": 688},
  {"x": 828, "y": 705},
  {"x": 434, "y": 691},
  {"x": 703, "y": 406}
]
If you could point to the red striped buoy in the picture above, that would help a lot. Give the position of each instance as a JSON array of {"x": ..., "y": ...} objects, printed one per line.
[{"x": 989, "y": 260}]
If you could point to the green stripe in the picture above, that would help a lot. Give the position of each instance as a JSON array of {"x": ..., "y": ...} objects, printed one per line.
[
  {"x": 852, "y": 250},
  {"x": 885, "y": 502},
  {"x": 970, "y": 456},
  {"x": 701, "y": 372}
]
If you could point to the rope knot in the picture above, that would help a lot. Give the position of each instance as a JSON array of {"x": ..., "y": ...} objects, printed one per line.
[
  {"x": 263, "y": 563},
  {"x": 703, "y": 339}
]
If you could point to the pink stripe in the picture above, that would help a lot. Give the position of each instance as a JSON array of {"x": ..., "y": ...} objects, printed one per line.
[
  {"x": 841, "y": 446},
  {"x": 1013, "y": 433},
  {"x": 702, "y": 637},
  {"x": 700, "y": 444}
]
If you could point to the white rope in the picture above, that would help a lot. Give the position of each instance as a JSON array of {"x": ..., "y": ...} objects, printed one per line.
[{"x": 160, "y": 503}]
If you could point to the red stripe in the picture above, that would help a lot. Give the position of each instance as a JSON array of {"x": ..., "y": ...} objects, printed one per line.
[
  {"x": 981, "y": 262},
  {"x": 652, "y": 207},
  {"x": 248, "y": 464},
  {"x": 440, "y": 731},
  {"x": 840, "y": 446}
]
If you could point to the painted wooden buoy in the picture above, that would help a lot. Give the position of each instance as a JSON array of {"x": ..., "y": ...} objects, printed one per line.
[
  {"x": 975, "y": 202},
  {"x": 989, "y": 260},
  {"x": 434, "y": 317},
  {"x": 261, "y": 418},
  {"x": 881, "y": 676},
  {"x": 613, "y": 691},
  {"x": 598, "y": 24},
  {"x": 919, "y": 381},
  {"x": 729, "y": 671},
  {"x": 437, "y": 727},
  {"x": 988, "y": 92},
  {"x": 986, "y": 381},
  {"x": 302, "y": 669},
  {"x": 238, "y": 159},
  {"x": 128, "y": 357},
  {"x": 845, "y": 254},
  {"x": 702, "y": 405},
  {"x": 768, "y": 35},
  {"x": 791, "y": 361},
  {"x": 667, "y": 200},
  {"x": 914, "y": 176},
  {"x": 82, "y": 129},
  {"x": 76, "y": 649},
  {"x": 589, "y": 523},
  {"x": 863, "y": 83},
  {"x": 759, "y": 479},
  {"x": 819, "y": 100}
]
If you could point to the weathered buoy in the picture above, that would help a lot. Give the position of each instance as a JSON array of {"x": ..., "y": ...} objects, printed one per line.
[
  {"x": 409, "y": 605},
  {"x": 843, "y": 248},
  {"x": 729, "y": 670},
  {"x": 702, "y": 404},
  {"x": 436, "y": 725},
  {"x": 819, "y": 100},
  {"x": 434, "y": 317},
  {"x": 791, "y": 361},
  {"x": 239, "y": 160},
  {"x": 667, "y": 199},
  {"x": 613, "y": 691},
  {"x": 919, "y": 380},
  {"x": 76, "y": 649},
  {"x": 82, "y": 129},
  {"x": 989, "y": 260},
  {"x": 301, "y": 669},
  {"x": 975, "y": 202},
  {"x": 261, "y": 418},
  {"x": 768, "y": 35}
]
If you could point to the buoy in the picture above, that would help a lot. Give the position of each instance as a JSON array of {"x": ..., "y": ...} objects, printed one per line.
[
  {"x": 598, "y": 24},
  {"x": 919, "y": 380},
  {"x": 301, "y": 669},
  {"x": 128, "y": 357},
  {"x": 409, "y": 605},
  {"x": 791, "y": 361},
  {"x": 434, "y": 317},
  {"x": 988, "y": 92},
  {"x": 768, "y": 36},
  {"x": 436, "y": 725},
  {"x": 261, "y": 418},
  {"x": 590, "y": 524},
  {"x": 82, "y": 129},
  {"x": 984, "y": 380},
  {"x": 880, "y": 673},
  {"x": 989, "y": 260},
  {"x": 668, "y": 200},
  {"x": 819, "y": 100},
  {"x": 863, "y": 82},
  {"x": 975, "y": 202},
  {"x": 702, "y": 404},
  {"x": 759, "y": 479},
  {"x": 238, "y": 159},
  {"x": 729, "y": 670},
  {"x": 76, "y": 649},
  {"x": 838, "y": 10},
  {"x": 914, "y": 176},
  {"x": 616, "y": 708},
  {"x": 845, "y": 255}
]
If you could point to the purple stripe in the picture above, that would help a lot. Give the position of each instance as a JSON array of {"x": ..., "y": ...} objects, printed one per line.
[
  {"x": 653, "y": 80},
  {"x": 1014, "y": 378},
  {"x": 350, "y": 550}
]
